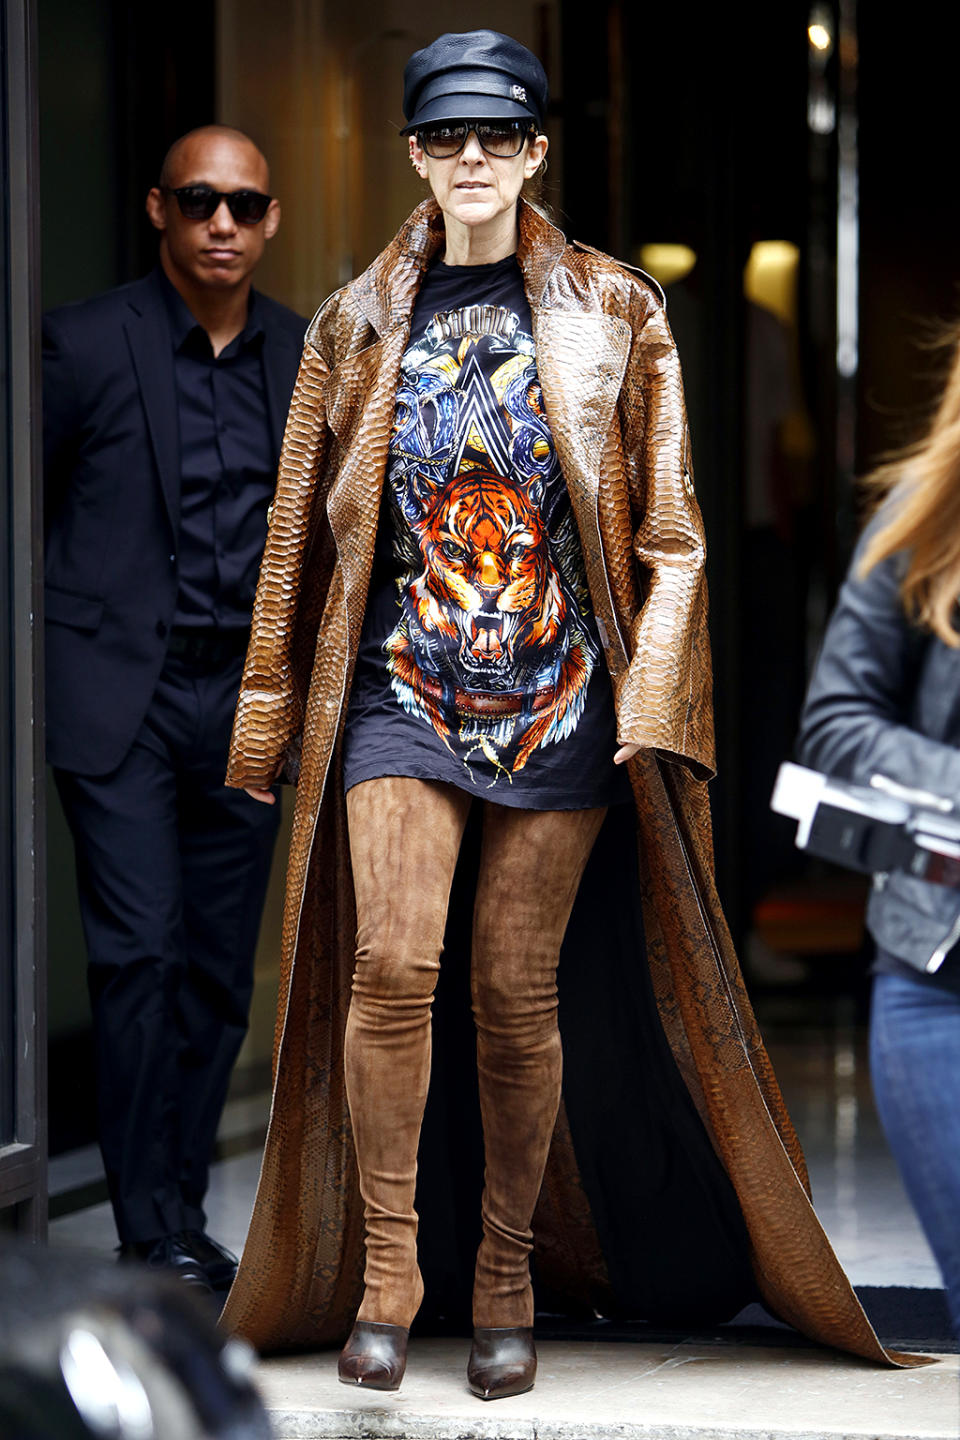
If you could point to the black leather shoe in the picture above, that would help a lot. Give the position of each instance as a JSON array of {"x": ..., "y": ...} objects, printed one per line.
[
  {"x": 170, "y": 1254},
  {"x": 375, "y": 1356},
  {"x": 502, "y": 1362},
  {"x": 216, "y": 1261}
]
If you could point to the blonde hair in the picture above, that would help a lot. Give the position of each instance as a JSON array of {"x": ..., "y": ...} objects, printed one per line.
[{"x": 924, "y": 483}]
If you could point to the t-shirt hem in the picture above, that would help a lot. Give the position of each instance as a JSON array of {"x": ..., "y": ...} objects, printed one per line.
[{"x": 516, "y": 797}]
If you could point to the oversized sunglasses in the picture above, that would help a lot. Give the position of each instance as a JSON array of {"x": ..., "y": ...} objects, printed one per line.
[
  {"x": 502, "y": 138},
  {"x": 199, "y": 202}
]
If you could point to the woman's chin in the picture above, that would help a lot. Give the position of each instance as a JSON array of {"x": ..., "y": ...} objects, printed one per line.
[{"x": 475, "y": 211}]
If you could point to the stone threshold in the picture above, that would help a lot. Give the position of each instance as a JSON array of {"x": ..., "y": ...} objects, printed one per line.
[{"x": 596, "y": 1391}]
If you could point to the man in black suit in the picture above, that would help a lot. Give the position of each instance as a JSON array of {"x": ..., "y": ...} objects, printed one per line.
[{"x": 164, "y": 407}]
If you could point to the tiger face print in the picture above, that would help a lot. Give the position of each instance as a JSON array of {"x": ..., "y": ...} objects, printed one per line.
[
  {"x": 485, "y": 618},
  {"x": 488, "y": 581}
]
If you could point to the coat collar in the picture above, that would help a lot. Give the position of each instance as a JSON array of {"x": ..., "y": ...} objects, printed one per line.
[{"x": 386, "y": 291}]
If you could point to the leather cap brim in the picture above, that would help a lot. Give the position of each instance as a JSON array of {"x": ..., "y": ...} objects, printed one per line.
[{"x": 467, "y": 105}]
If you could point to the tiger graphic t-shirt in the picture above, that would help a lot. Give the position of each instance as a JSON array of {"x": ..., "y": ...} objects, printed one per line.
[{"x": 479, "y": 661}]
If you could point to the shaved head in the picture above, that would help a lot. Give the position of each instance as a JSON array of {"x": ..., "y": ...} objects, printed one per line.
[
  {"x": 217, "y": 254},
  {"x": 191, "y": 149}
]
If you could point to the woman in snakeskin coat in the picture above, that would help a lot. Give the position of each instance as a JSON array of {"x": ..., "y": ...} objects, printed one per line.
[{"x": 482, "y": 608}]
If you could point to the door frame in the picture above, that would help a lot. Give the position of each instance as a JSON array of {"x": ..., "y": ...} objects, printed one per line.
[{"x": 23, "y": 1158}]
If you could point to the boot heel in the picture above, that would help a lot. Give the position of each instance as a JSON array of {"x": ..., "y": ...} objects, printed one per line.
[
  {"x": 502, "y": 1362},
  {"x": 375, "y": 1356}
]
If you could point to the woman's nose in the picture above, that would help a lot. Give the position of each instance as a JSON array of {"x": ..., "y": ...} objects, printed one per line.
[{"x": 472, "y": 150}]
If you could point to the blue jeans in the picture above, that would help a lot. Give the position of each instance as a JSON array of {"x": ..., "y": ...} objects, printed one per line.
[{"x": 915, "y": 1067}]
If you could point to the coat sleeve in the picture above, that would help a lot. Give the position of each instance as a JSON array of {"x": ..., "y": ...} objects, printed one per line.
[
  {"x": 855, "y": 720},
  {"x": 665, "y": 701},
  {"x": 269, "y": 709}
]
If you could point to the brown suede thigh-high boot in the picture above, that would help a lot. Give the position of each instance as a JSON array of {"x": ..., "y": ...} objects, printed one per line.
[
  {"x": 530, "y": 870},
  {"x": 404, "y": 839}
]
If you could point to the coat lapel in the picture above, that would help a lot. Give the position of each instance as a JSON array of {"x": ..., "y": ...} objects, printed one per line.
[
  {"x": 148, "y": 335},
  {"x": 385, "y": 293},
  {"x": 361, "y": 398},
  {"x": 581, "y": 359}
]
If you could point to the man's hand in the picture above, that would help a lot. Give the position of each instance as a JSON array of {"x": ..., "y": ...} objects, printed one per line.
[{"x": 625, "y": 753}]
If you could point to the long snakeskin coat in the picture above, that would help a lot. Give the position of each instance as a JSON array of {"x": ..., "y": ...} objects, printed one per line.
[{"x": 612, "y": 390}]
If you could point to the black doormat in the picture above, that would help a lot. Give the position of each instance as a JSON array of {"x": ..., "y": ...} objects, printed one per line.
[
  {"x": 904, "y": 1317},
  {"x": 908, "y": 1318}
]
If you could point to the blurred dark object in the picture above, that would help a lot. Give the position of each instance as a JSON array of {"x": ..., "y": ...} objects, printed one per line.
[
  {"x": 816, "y": 916},
  {"x": 89, "y": 1349}
]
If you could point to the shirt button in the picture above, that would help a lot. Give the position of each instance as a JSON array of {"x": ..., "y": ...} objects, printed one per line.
[
  {"x": 173, "y": 559},
  {"x": 161, "y": 629}
]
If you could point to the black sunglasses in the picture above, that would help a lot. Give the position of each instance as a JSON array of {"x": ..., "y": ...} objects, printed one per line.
[
  {"x": 502, "y": 138},
  {"x": 199, "y": 202}
]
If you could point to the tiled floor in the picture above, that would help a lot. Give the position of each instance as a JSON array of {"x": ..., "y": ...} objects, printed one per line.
[{"x": 820, "y": 1061}]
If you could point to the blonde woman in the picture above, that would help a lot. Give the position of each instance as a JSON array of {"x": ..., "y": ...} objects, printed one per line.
[{"x": 885, "y": 699}]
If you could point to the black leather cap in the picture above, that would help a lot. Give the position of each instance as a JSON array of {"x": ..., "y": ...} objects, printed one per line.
[{"x": 480, "y": 75}]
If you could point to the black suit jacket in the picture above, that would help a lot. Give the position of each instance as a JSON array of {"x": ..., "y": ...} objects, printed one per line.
[{"x": 112, "y": 500}]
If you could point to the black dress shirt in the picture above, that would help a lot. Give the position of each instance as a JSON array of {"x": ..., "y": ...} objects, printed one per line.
[{"x": 227, "y": 469}]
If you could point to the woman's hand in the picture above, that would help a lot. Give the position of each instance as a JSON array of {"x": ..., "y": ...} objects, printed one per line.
[
  {"x": 625, "y": 753},
  {"x": 266, "y": 797},
  {"x": 261, "y": 793}
]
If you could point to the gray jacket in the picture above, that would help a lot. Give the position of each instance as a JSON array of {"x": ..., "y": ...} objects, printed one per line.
[{"x": 885, "y": 699}]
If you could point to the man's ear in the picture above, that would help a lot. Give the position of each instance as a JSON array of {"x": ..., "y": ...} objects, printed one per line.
[
  {"x": 156, "y": 210},
  {"x": 271, "y": 221}
]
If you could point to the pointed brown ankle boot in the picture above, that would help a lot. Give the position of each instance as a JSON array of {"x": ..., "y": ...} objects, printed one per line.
[
  {"x": 375, "y": 1356},
  {"x": 502, "y": 1362}
]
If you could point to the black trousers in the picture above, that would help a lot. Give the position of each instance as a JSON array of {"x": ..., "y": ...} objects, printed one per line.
[{"x": 172, "y": 869}]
